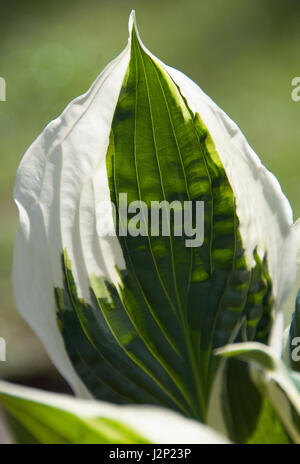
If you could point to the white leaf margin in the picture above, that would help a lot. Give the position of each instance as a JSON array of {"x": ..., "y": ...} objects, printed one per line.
[{"x": 158, "y": 425}]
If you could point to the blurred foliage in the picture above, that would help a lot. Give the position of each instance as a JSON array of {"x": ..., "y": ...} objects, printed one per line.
[{"x": 243, "y": 54}]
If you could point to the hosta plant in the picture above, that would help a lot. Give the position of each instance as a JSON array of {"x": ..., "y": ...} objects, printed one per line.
[{"x": 132, "y": 310}]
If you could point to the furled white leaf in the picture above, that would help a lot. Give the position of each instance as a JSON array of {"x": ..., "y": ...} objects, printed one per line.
[
  {"x": 279, "y": 383},
  {"x": 58, "y": 169},
  {"x": 36, "y": 410}
]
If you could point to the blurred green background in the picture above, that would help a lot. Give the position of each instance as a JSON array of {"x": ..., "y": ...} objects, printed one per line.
[{"x": 244, "y": 54}]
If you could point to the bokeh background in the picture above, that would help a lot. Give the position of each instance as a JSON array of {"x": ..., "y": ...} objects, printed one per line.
[{"x": 244, "y": 54}]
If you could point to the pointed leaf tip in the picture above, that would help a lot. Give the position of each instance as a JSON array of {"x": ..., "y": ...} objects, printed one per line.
[
  {"x": 132, "y": 22},
  {"x": 133, "y": 29}
]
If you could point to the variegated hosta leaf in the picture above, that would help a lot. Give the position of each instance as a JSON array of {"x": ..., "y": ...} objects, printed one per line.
[
  {"x": 51, "y": 418},
  {"x": 275, "y": 380},
  {"x": 139, "y": 316}
]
